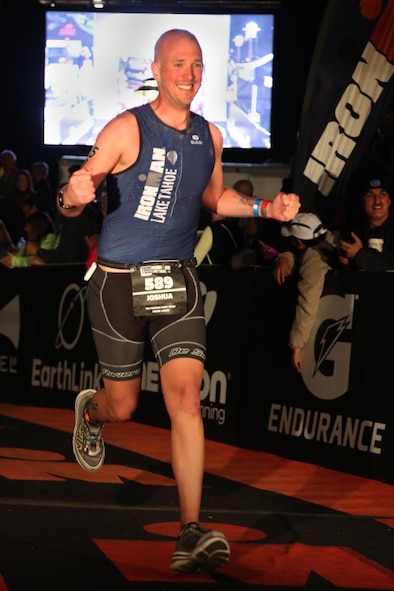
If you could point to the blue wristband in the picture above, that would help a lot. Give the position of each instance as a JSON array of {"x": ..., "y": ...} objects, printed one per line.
[{"x": 256, "y": 207}]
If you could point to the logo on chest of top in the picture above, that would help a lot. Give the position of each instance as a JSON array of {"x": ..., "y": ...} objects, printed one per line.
[
  {"x": 196, "y": 140},
  {"x": 159, "y": 187},
  {"x": 172, "y": 156}
]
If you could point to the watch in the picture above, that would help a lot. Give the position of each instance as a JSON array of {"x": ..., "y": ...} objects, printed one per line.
[{"x": 61, "y": 202}]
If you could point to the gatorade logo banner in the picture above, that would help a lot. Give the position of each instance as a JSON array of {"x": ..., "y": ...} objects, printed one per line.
[
  {"x": 350, "y": 84},
  {"x": 327, "y": 354}
]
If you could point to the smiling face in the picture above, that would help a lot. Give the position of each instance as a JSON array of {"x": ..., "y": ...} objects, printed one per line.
[
  {"x": 377, "y": 204},
  {"x": 178, "y": 68}
]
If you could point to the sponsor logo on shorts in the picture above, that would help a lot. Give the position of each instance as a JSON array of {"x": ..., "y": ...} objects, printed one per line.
[
  {"x": 178, "y": 351},
  {"x": 121, "y": 375}
]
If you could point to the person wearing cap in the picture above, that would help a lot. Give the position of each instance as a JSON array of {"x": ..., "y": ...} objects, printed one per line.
[
  {"x": 369, "y": 245},
  {"x": 313, "y": 250}
]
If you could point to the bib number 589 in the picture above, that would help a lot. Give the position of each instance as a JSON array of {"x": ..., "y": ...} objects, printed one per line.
[{"x": 158, "y": 282}]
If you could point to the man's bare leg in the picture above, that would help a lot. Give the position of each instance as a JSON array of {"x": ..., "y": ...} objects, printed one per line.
[
  {"x": 197, "y": 549},
  {"x": 116, "y": 402}
]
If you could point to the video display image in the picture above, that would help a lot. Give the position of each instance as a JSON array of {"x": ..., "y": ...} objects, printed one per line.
[{"x": 98, "y": 65}]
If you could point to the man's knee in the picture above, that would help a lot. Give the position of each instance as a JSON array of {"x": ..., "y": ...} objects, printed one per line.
[
  {"x": 189, "y": 398},
  {"x": 122, "y": 400}
]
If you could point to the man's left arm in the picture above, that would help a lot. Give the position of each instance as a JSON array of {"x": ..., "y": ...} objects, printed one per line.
[{"x": 230, "y": 203}]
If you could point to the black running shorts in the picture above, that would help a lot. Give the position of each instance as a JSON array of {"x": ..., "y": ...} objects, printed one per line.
[{"x": 120, "y": 337}]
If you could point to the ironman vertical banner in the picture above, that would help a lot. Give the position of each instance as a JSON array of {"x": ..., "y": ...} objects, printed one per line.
[{"x": 350, "y": 84}]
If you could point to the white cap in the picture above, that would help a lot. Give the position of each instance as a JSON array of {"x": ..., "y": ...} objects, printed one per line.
[{"x": 305, "y": 226}]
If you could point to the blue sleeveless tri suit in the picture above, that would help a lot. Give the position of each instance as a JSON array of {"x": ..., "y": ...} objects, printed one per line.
[
  {"x": 153, "y": 213},
  {"x": 154, "y": 205}
]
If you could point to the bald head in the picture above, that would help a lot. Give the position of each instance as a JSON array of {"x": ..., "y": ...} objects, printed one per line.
[{"x": 170, "y": 36}]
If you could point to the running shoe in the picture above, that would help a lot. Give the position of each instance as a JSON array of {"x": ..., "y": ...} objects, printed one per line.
[
  {"x": 88, "y": 446},
  {"x": 199, "y": 550}
]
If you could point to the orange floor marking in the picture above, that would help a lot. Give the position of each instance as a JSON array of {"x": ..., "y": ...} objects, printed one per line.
[{"x": 348, "y": 493}]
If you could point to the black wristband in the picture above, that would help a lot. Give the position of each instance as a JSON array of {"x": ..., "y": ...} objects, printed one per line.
[{"x": 61, "y": 202}]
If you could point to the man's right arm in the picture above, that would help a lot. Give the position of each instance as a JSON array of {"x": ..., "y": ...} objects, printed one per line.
[{"x": 115, "y": 149}]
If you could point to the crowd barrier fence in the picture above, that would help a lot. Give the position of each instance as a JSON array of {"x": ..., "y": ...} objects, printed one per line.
[{"x": 338, "y": 413}]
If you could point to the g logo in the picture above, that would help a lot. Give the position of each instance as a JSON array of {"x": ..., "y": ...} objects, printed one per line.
[{"x": 326, "y": 358}]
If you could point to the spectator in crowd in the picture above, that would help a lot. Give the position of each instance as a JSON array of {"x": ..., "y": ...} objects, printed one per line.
[
  {"x": 244, "y": 186},
  {"x": 313, "y": 250},
  {"x": 25, "y": 191},
  {"x": 8, "y": 170},
  {"x": 368, "y": 242},
  {"x": 39, "y": 234},
  {"x": 377, "y": 162}
]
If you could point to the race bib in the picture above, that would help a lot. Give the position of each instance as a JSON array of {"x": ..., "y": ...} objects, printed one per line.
[{"x": 158, "y": 288}]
